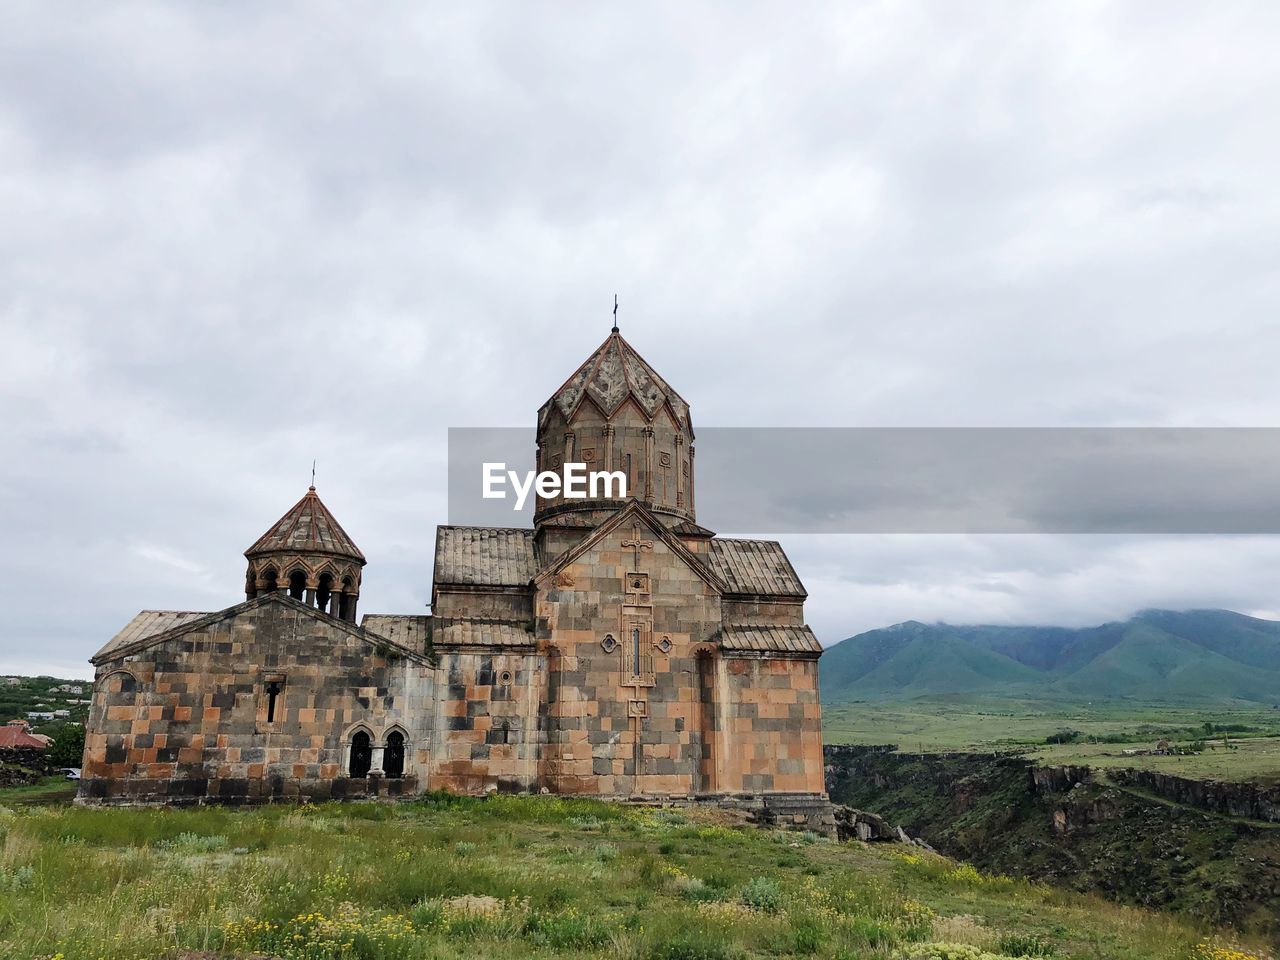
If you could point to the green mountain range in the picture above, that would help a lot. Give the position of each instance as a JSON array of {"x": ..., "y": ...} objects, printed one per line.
[{"x": 1203, "y": 655}]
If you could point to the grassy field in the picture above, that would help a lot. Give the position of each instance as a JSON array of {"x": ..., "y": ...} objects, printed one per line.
[
  {"x": 938, "y": 724},
  {"x": 516, "y": 877},
  {"x": 55, "y": 789},
  {"x": 1253, "y": 759}
]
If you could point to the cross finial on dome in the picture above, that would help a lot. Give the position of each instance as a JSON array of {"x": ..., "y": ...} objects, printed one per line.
[
  {"x": 312, "y": 488},
  {"x": 615, "y": 313}
]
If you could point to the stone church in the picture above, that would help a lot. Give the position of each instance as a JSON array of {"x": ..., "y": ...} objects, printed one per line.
[{"x": 616, "y": 648}]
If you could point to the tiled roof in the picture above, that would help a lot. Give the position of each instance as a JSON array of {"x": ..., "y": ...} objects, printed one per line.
[
  {"x": 611, "y": 374},
  {"x": 474, "y": 633},
  {"x": 755, "y": 567},
  {"x": 308, "y": 527},
  {"x": 412, "y": 631},
  {"x": 770, "y": 639},
  {"x": 148, "y": 623},
  {"x": 687, "y": 528},
  {"x": 17, "y": 733},
  {"x": 485, "y": 556}
]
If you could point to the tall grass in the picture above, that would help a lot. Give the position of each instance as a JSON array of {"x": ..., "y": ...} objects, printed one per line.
[{"x": 512, "y": 877}]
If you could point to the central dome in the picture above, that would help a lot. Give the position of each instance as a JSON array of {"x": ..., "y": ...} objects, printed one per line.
[
  {"x": 615, "y": 413},
  {"x": 614, "y": 373}
]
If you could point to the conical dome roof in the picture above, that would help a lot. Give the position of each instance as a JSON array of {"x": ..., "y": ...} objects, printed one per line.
[
  {"x": 308, "y": 527},
  {"x": 612, "y": 373}
]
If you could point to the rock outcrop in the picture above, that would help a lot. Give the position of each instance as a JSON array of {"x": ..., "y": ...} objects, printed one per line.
[
  {"x": 1082, "y": 829},
  {"x": 1249, "y": 800}
]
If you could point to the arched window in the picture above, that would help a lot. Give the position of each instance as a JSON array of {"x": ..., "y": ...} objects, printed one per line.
[
  {"x": 324, "y": 591},
  {"x": 393, "y": 755},
  {"x": 269, "y": 579},
  {"x": 297, "y": 584},
  {"x": 361, "y": 755}
]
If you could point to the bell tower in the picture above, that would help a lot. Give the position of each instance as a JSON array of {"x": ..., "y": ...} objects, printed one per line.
[{"x": 307, "y": 554}]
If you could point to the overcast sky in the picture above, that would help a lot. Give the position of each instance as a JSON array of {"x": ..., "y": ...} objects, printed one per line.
[{"x": 240, "y": 236}]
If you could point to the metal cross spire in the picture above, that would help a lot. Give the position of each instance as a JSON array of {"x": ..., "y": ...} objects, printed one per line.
[
  {"x": 313, "y": 474},
  {"x": 615, "y": 313}
]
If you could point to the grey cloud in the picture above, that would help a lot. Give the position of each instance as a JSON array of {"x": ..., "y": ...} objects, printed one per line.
[{"x": 239, "y": 237}]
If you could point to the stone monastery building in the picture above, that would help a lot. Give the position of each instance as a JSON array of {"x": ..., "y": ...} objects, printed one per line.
[{"x": 617, "y": 648}]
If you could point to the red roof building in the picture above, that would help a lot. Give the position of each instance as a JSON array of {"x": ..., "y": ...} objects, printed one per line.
[{"x": 17, "y": 733}]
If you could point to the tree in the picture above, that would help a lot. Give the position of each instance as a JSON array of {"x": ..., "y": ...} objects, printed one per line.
[{"x": 67, "y": 749}]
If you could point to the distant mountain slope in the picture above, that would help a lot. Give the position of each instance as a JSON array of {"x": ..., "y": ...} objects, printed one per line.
[{"x": 1190, "y": 655}]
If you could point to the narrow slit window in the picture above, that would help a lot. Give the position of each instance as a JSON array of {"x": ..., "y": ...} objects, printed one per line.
[
  {"x": 635, "y": 650},
  {"x": 274, "y": 687}
]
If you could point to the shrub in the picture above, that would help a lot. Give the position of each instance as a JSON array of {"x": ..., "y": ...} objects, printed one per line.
[
  {"x": 1025, "y": 945},
  {"x": 949, "y": 951},
  {"x": 696, "y": 891},
  {"x": 691, "y": 944},
  {"x": 193, "y": 843},
  {"x": 605, "y": 852},
  {"x": 464, "y": 848},
  {"x": 762, "y": 893},
  {"x": 15, "y": 880},
  {"x": 569, "y": 930}
]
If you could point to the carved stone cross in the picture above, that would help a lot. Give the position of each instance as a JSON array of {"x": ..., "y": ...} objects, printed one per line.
[{"x": 638, "y": 544}]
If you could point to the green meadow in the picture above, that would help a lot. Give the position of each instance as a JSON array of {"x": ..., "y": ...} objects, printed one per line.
[
  {"x": 1242, "y": 741},
  {"x": 507, "y": 877}
]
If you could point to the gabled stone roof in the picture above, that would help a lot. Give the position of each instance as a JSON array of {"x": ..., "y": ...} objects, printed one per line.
[
  {"x": 148, "y": 623},
  {"x": 636, "y": 512},
  {"x": 611, "y": 374},
  {"x": 770, "y": 639},
  {"x": 485, "y": 556},
  {"x": 758, "y": 567},
  {"x": 408, "y": 630},
  {"x": 151, "y": 627},
  {"x": 307, "y": 527},
  {"x": 481, "y": 633}
]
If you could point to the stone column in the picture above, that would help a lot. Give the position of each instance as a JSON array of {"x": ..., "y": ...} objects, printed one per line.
[
  {"x": 679, "y": 470},
  {"x": 648, "y": 464},
  {"x": 335, "y": 602}
]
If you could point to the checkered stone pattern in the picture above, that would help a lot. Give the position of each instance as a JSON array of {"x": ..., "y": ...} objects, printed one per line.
[
  {"x": 695, "y": 719},
  {"x": 772, "y": 725},
  {"x": 186, "y": 719},
  {"x": 490, "y": 721},
  {"x": 616, "y": 648}
]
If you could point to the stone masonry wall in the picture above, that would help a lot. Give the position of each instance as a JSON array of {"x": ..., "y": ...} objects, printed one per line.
[
  {"x": 772, "y": 725},
  {"x": 690, "y": 719},
  {"x": 616, "y": 728},
  {"x": 490, "y": 722},
  {"x": 186, "y": 720}
]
